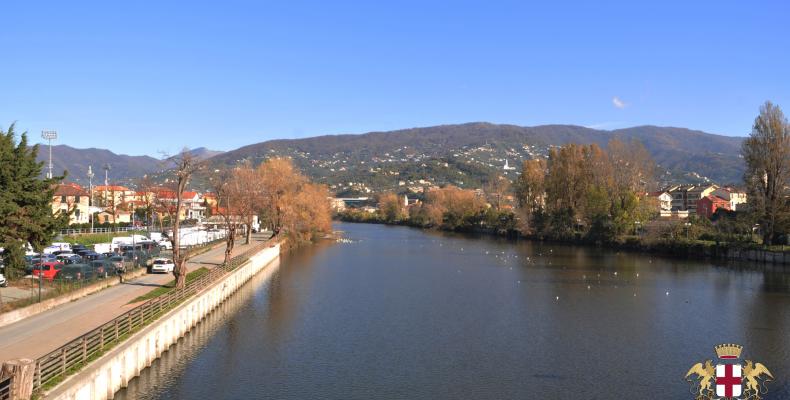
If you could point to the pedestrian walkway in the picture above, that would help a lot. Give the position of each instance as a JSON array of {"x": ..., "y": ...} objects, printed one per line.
[{"x": 40, "y": 334}]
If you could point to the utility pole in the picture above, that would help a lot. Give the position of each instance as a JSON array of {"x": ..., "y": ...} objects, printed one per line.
[
  {"x": 49, "y": 135},
  {"x": 90, "y": 191}
]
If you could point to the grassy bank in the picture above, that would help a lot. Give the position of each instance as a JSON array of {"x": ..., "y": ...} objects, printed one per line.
[
  {"x": 170, "y": 286},
  {"x": 90, "y": 239}
]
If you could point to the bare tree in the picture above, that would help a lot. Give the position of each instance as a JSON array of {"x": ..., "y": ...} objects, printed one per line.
[
  {"x": 767, "y": 155},
  {"x": 185, "y": 166},
  {"x": 225, "y": 188},
  {"x": 247, "y": 186},
  {"x": 145, "y": 187}
]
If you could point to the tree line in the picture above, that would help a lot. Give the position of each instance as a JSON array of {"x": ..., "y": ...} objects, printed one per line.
[
  {"x": 589, "y": 193},
  {"x": 283, "y": 199}
]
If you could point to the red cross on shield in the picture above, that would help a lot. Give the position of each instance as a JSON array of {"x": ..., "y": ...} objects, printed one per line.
[{"x": 728, "y": 380}]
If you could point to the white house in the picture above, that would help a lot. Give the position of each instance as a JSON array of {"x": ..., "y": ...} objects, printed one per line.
[{"x": 732, "y": 195}]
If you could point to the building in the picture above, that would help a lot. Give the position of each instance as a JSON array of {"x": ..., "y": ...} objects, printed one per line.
[
  {"x": 685, "y": 197},
  {"x": 194, "y": 207},
  {"x": 72, "y": 197},
  {"x": 664, "y": 200},
  {"x": 337, "y": 205},
  {"x": 113, "y": 195},
  {"x": 121, "y": 216},
  {"x": 708, "y": 205},
  {"x": 732, "y": 195},
  {"x": 192, "y": 204}
]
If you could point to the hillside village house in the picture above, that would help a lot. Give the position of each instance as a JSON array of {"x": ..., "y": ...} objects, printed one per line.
[{"x": 70, "y": 196}]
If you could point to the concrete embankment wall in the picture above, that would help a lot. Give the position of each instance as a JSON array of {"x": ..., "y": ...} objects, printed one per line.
[{"x": 115, "y": 369}]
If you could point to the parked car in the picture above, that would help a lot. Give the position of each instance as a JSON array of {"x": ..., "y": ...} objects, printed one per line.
[
  {"x": 118, "y": 262},
  {"x": 109, "y": 254},
  {"x": 82, "y": 252},
  {"x": 92, "y": 256},
  {"x": 101, "y": 268},
  {"x": 3, "y": 282},
  {"x": 64, "y": 255},
  {"x": 165, "y": 244},
  {"x": 78, "y": 247},
  {"x": 162, "y": 265},
  {"x": 48, "y": 270},
  {"x": 74, "y": 259},
  {"x": 76, "y": 272}
]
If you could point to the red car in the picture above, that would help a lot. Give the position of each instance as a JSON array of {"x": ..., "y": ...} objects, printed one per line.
[{"x": 48, "y": 270}]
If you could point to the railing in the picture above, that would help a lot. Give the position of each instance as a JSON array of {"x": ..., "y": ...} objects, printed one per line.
[
  {"x": 71, "y": 357},
  {"x": 5, "y": 388},
  {"x": 102, "y": 230}
]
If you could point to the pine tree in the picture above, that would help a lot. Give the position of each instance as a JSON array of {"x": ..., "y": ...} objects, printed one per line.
[{"x": 25, "y": 211}]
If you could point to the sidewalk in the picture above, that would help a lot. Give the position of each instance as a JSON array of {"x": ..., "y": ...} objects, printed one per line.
[{"x": 42, "y": 333}]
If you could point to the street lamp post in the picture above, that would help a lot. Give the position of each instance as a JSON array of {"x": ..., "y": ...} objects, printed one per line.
[
  {"x": 90, "y": 191},
  {"x": 688, "y": 225},
  {"x": 49, "y": 135}
]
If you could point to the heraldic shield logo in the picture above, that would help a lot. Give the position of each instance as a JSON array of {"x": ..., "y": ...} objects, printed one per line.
[{"x": 729, "y": 379}]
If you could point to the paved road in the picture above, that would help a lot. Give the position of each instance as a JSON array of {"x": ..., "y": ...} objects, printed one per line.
[{"x": 42, "y": 333}]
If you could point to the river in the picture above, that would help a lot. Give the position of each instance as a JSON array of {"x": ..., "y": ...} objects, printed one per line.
[{"x": 402, "y": 313}]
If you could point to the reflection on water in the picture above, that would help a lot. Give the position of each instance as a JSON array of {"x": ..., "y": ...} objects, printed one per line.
[
  {"x": 166, "y": 370},
  {"x": 406, "y": 314}
]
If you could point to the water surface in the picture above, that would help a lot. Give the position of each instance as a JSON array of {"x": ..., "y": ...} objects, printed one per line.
[{"x": 408, "y": 314}]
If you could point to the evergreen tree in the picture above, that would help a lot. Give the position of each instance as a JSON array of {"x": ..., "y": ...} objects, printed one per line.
[{"x": 25, "y": 211}]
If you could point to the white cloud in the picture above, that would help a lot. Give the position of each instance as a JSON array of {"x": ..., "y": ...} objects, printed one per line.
[{"x": 618, "y": 103}]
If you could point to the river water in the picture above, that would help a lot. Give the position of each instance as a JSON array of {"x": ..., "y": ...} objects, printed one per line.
[{"x": 407, "y": 314}]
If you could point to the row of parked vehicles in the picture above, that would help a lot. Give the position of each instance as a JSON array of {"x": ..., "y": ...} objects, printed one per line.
[{"x": 80, "y": 263}]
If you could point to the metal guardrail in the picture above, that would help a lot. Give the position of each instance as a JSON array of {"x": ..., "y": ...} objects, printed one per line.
[
  {"x": 5, "y": 388},
  {"x": 77, "y": 353}
]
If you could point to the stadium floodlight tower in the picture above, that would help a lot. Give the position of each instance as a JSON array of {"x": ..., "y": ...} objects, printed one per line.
[{"x": 49, "y": 135}]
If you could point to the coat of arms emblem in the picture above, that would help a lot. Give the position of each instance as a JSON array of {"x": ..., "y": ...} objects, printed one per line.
[{"x": 728, "y": 379}]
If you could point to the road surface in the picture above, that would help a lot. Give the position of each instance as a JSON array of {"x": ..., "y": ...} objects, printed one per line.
[{"x": 39, "y": 334}]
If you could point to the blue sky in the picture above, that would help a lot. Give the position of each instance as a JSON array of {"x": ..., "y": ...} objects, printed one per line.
[{"x": 145, "y": 77}]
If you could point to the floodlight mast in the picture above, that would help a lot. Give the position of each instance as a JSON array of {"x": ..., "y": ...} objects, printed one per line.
[{"x": 49, "y": 135}]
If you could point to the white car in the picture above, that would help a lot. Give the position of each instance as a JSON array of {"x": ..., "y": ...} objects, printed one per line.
[
  {"x": 163, "y": 265},
  {"x": 165, "y": 244},
  {"x": 3, "y": 282}
]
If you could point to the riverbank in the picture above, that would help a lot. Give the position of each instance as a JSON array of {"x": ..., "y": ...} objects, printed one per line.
[{"x": 679, "y": 247}]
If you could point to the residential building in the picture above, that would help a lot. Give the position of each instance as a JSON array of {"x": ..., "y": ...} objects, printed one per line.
[
  {"x": 112, "y": 195},
  {"x": 664, "y": 200},
  {"x": 732, "y": 195},
  {"x": 708, "y": 205},
  {"x": 685, "y": 197},
  {"x": 121, "y": 216},
  {"x": 72, "y": 197}
]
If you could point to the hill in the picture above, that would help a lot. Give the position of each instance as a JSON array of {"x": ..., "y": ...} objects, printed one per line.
[
  {"x": 466, "y": 154},
  {"x": 123, "y": 168}
]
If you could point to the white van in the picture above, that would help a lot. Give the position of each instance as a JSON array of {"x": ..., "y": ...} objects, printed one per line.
[{"x": 57, "y": 246}]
